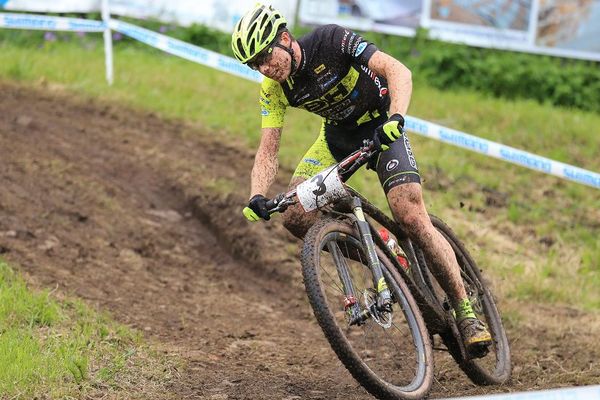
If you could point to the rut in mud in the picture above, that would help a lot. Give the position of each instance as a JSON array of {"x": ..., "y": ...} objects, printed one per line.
[{"x": 141, "y": 216}]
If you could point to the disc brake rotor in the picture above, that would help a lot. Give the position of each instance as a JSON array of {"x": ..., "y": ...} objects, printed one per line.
[{"x": 382, "y": 318}]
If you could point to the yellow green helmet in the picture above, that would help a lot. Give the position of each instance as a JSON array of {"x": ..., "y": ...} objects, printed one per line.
[{"x": 255, "y": 31}]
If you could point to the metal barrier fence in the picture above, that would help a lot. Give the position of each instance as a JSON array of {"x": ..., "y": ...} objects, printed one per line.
[{"x": 232, "y": 66}]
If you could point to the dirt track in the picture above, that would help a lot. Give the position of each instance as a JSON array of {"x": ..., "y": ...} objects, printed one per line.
[{"x": 141, "y": 217}]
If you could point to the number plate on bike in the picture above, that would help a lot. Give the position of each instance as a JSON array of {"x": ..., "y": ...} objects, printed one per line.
[{"x": 322, "y": 189}]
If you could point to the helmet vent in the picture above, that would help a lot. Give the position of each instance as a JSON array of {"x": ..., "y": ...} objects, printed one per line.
[
  {"x": 251, "y": 30},
  {"x": 240, "y": 47},
  {"x": 256, "y": 14},
  {"x": 252, "y": 47},
  {"x": 267, "y": 32}
]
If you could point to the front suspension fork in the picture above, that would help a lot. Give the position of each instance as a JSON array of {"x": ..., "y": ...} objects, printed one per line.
[
  {"x": 384, "y": 297},
  {"x": 351, "y": 304}
]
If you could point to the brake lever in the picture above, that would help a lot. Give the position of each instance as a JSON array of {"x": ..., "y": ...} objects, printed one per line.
[{"x": 279, "y": 204}]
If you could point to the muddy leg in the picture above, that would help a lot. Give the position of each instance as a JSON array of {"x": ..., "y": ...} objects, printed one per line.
[{"x": 406, "y": 203}]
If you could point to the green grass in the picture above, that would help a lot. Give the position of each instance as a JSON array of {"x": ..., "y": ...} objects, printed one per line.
[
  {"x": 511, "y": 216},
  {"x": 52, "y": 349}
]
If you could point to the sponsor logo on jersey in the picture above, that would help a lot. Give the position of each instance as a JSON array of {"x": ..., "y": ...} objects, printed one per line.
[
  {"x": 312, "y": 161},
  {"x": 411, "y": 158},
  {"x": 264, "y": 112},
  {"x": 304, "y": 97},
  {"x": 391, "y": 165},
  {"x": 368, "y": 72},
  {"x": 382, "y": 89},
  {"x": 320, "y": 69},
  {"x": 329, "y": 81},
  {"x": 336, "y": 99},
  {"x": 344, "y": 39},
  {"x": 361, "y": 47}
]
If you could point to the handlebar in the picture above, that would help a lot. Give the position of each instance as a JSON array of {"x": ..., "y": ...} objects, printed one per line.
[
  {"x": 275, "y": 201},
  {"x": 349, "y": 165},
  {"x": 346, "y": 168}
]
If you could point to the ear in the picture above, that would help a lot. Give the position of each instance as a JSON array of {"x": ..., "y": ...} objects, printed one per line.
[{"x": 286, "y": 39}]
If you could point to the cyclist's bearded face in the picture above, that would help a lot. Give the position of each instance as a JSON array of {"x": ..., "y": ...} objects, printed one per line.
[{"x": 278, "y": 64}]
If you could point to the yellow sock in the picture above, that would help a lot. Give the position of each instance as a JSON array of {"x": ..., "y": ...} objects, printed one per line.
[{"x": 464, "y": 310}]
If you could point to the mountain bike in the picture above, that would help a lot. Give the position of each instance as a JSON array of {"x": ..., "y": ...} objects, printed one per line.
[{"x": 379, "y": 309}]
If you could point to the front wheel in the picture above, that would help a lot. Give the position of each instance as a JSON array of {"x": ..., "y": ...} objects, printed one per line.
[
  {"x": 388, "y": 352},
  {"x": 495, "y": 367}
]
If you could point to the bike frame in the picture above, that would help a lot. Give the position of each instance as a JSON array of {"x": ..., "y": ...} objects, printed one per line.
[{"x": 344, "y": 202}]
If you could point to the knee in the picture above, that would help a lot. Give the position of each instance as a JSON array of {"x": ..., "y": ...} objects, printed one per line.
[
  {"x": 413, "y": 222},
  {"x": 410, "y": 220},
  {"x": 408, "y": 209},
  {"x": 295, "y": 222}
]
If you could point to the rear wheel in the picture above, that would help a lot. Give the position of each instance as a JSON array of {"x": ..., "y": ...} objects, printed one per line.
[
  {"x": 495, "y": 367},
  {"x": 388, "y": 352}
]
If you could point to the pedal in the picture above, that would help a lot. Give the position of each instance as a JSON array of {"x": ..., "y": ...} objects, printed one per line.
[{"x": 479, "y": 350}]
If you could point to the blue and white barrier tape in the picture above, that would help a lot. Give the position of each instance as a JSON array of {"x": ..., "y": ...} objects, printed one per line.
[
  {"x": 232, "y": 66},
  {"x": 186, "y": 50},
  {"x": 577, "y": 393},
  {"x": 506, "y": 153},
  {"x": 42, "y": 22}
]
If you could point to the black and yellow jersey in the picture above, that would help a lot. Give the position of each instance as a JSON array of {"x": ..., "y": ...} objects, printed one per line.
[{"x": 333, "y": 80}]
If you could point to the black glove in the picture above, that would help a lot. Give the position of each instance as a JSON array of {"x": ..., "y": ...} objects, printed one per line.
[
  {"x": 388, "y": 132},
  {"x": 257, "y": 208}
]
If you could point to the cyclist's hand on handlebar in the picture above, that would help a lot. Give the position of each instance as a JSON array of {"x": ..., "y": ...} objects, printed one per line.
[
  {"x": 257, "y": 208},
  {"x": 388, "y": 132}
]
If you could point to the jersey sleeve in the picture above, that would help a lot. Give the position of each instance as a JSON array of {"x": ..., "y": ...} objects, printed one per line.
[
  {"x": 273, "y": 104},
  {"x": 351, "y": 44}
]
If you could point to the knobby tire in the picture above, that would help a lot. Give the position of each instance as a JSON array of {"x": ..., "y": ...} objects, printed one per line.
[{"x": 340, "y": 335}]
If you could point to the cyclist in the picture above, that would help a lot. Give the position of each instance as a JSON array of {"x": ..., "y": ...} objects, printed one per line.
[{"x": 360, "y": 92}]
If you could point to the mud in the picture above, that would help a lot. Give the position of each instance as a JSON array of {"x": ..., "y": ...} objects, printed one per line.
[{"x": 140, "y": 216}]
